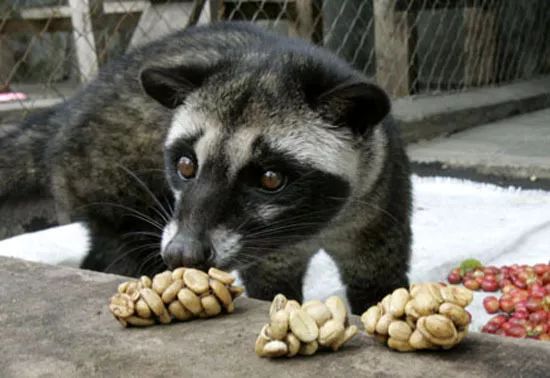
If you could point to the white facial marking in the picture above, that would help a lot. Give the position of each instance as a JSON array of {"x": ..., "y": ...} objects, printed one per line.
[
  {"x": 170, "y": 230},
  {"x": 239, "y": 149},
  {"x": 186, "y": 123},
  {"x": 317, "y": 145},
  {"x": 225, "y": 243},
  {"x": 207, "y": 146},
  {"x": 322, "y": 279}
]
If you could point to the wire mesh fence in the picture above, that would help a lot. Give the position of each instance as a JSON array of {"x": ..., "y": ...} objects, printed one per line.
[{"x": 51, "y": 47}]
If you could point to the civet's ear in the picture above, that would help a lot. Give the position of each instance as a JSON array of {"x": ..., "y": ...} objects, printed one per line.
[
  {"x": 171, "y": 85},
  {"x": 356, "y": 104}
]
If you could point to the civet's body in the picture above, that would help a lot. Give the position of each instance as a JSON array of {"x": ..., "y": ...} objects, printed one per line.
[{"x": 268, "y": 149}]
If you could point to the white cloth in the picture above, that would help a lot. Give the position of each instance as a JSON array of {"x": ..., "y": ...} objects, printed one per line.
[{"x": 452, "y": 220}]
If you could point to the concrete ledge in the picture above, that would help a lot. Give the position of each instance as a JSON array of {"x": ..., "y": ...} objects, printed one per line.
[
  {"x": 426, "y": 117},
  {"x": 55, "y": 322},
  {"x": 40, "y": 97},
  {"x": 420, "y": 117},
  {"x": 15, "y": 112},
  {"x": 515, "y": 147}
]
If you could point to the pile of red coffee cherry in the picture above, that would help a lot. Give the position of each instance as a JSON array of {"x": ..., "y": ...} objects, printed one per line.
[{"x": 523, "y": 309}]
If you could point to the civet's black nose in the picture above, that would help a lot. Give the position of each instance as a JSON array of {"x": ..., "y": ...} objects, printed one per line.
[{"x": 186, "y": 251}]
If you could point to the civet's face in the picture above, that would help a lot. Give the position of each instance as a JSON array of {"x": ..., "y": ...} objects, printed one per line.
[{"x": 257, "y": 160}]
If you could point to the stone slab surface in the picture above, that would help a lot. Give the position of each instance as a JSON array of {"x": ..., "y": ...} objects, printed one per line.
[
  {"x": 514, "y": 147},
  {"x": 55, "y": 323}
]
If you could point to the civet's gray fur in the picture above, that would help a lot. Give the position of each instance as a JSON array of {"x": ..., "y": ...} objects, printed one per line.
[{"x": 237, "y": 101}]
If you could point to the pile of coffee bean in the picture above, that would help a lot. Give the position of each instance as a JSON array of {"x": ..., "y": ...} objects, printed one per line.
[{"x": 181, "y": 294}]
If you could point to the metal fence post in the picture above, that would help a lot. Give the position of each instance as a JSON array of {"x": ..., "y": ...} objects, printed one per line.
[
  {"x": 84, "y": 39},
  {"x": 479, "y": 45},
  {"x": 395, "y": 38}
]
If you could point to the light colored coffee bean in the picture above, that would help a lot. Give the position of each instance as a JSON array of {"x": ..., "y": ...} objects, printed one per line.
[
  {"x": 440, "y": 326},
  {"x": 447, "y": 294},
  {"x": 311, "y": 303},
  {"x": 121, "y": 305},
  {"x": 275, "y": 348},
  {"x": 161, "y": 281},
  {"x": 190, "y": 301},
  {"x": 165, "y": 317},
  {"x": 399, "y": 345},
  {"x": 220, "y": 275},
  {"x": 236, "y": 291},
  {"x": 370, "y": 318},
  {"x": 435, "y": 290},
  {"x": 196, "y": 280},
  {"x": 139, "y": 322},
  {"x": 425, "y": 304},
  {"x": 410, "y": 311},
  {"x": 177, "y": 274},
  {"x": 303, "y": 326},
  {"x": 457, "y": 314},
  {"x": 279, "y": 325},
  {"x": 399, "y": 299},
  {"x": 399, "y": 330},
  {"x": 318, "y": 311},
  {"x": 293, "y": 345},
  {"x": 330, "y": 332},
  {"x": 221, "y": 292},
  {"x": 133, "y": 290},
  {"x": 170, "y": 293},
  {"x": 463, "y": 296},
  {"x": 153, "y": 300},
  {"x": 349, "y": 333},
  {"x": 278, "y": 303},
  {"x": 443, "y": 342},
  {"x": 142, "y": 309},
  {"x": 122, "y": 287},
  {"x": 411, "y": 322},
  {"x": 383, "y": 324},
  {"x": 386, "y": 304},
  {"x": 211, "y": 305},
  {"x": 414, "y": 289},
  {"x": 178, "y": 311},
  {"x": 308, "y": 349},
  {"x": 145, "y": 282},
  {"x": 292, "y": 305},
  {"x": 338, "y": 309},
  {"x": 262, "y": 339},
  {"x": 418, "y": 341},
  {"x": 156, "y": 305}
]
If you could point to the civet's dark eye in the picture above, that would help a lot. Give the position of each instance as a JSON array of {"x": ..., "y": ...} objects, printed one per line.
[
  {"x": 272, "y": 181},
  {"x": 186, "y": 168}
]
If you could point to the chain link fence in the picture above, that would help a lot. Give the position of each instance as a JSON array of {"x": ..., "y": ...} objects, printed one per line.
[{"x": 48, "y": 48}]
